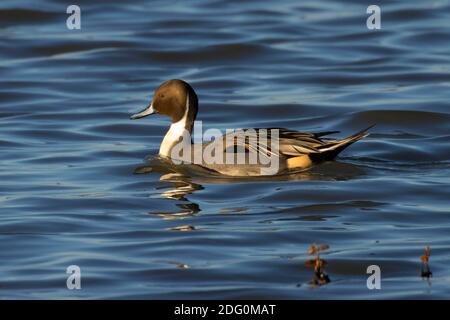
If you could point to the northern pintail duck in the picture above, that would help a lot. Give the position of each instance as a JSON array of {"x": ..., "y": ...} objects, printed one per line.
[{"x": 292, "y": 150}]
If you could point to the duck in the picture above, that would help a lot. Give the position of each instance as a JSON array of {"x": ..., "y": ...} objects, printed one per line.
[{"x": 288, "y": 150}]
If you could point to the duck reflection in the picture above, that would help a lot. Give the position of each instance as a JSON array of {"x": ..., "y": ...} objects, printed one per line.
[
  {"x": 176, "y": 186},
  {"x": 180, "y": 186},
  {"x": 177, "y": 189},
  {"x": 179, "y": 181}
]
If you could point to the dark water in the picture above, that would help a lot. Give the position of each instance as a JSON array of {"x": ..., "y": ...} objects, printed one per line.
[{"x": 76, "y": 188}]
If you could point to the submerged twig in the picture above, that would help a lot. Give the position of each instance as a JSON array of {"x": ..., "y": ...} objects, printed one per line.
[
  {"x": 425, "y": 271},
  {"x": 320, "y": 277}
]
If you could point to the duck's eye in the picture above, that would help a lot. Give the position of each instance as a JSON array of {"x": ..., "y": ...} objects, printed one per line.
[{"x": 162, "y": 96}]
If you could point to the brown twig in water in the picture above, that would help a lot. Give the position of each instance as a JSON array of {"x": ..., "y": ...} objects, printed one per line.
[
  {"x": 320, "y": 277},
  {"x": 426, "y": 272}
]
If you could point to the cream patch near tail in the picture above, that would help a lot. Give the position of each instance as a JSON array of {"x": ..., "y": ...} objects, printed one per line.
[{"x": 300, "y": 162}]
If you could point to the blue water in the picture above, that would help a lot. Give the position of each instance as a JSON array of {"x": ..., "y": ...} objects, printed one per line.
[{"x": 81, "y": 183}]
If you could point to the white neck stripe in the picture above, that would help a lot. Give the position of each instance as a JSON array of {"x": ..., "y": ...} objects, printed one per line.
[{"x": 175, "y": 132}]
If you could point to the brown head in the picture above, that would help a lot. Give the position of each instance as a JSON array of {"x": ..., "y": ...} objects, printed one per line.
[{"x": 174, "y": 98}]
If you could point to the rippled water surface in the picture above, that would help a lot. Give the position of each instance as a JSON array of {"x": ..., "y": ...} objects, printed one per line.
[{"x": 81, "y": 184}]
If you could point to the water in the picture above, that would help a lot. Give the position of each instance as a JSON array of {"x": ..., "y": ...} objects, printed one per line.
[{"x": 76, "y": 188}]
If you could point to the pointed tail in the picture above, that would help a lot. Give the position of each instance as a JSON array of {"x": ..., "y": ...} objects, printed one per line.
[{"x": 333, "y": 148}]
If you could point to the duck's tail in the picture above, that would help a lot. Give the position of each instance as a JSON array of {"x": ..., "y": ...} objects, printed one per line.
[{"x": 330, "y": 150}]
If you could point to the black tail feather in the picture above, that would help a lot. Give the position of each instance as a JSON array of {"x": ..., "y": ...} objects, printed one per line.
[{"x": 331, "y": 150}]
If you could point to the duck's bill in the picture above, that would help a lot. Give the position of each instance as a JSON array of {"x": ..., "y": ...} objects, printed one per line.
[{"x": 146, "y": 112}]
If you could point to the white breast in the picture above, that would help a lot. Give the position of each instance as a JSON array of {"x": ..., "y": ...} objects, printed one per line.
[
  {"x": 172, "y": 137},
  {"x": 175, "y": 134}
]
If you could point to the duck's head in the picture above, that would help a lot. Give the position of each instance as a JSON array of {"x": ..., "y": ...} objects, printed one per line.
[{"x": 174, "y": 98}]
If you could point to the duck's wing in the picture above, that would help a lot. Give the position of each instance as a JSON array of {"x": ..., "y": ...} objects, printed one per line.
[
  {"x": 287, "y": 143},
  {"x": 293, "y": 143},
  {"x": 246, "y": 141},
  {"x": 270, "y": 141}
]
